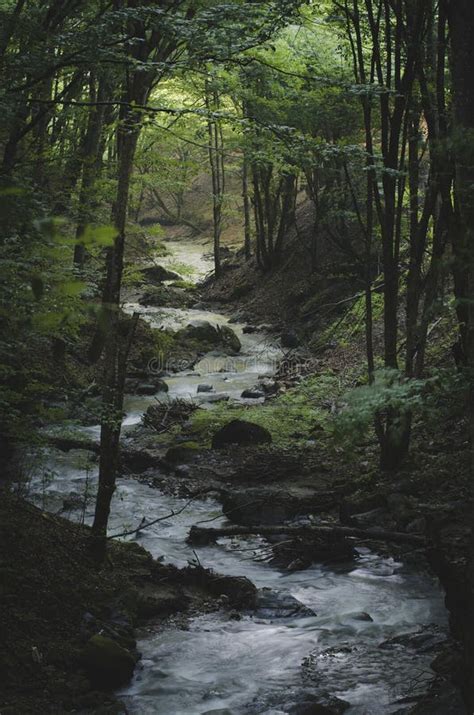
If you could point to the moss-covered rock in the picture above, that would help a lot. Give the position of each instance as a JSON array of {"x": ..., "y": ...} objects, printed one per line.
[
  {"x": 241, "y": 432},
  {"x": 182, "y": 453},
  {"x": 107, "y": 664},
  {"x": 229, "y": 339}
]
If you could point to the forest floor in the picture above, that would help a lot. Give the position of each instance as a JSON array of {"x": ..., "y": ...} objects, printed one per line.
[{"x": 53, "y": 599}]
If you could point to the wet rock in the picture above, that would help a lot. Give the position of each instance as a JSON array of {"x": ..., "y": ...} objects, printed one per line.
[
  {"x": 289, "y": 340},
  {"x": 269, "y": 386},
  {"x": 319, "y": 705},
  {"x": 210, "y": 398},
  {"x": 252, "y": 394},
  {"x": 108, "y": 665},
  {"x": 229, "y": 339},
  {"x": 65, "y": 443},
  {"x": 155, "y": 602},
  {"x": 360, "y": 616},
  {"x": 205, "y": 388},
  {"x": 376, "y": 517},
  {"x": 182, "y": 453},
  {"x": 299, "y": 553},
  {"x": 138, "y": 459},
  {"x": 248, "y": 329},
  {"x": 151, "y": 388},
  {"x": 241, "y": 432},
  {"x": 426, "y": 640},
  {"x": 350, "y": 506},
  {"x": 273, "y": 604},
  {"x": 240, "y": 591},
  {"x": 201, "y": 330},
  {"x": 158, "y": 274}
]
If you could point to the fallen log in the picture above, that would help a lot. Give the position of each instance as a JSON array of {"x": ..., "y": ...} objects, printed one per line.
[{"x": 201, "y": 536}]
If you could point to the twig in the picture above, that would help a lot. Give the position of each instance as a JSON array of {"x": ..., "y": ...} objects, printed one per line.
[{"x": 172, "y": 513}]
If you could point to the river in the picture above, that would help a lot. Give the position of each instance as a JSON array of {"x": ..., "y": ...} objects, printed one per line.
[{"x": 261, "y": 663}]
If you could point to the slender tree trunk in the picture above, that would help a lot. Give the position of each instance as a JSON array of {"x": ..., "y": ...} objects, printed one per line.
[
  {"x": 114, "y": 357},
  {"x": 246, "y": 199},
  {"x": 90, "y": 166},
  {"x": 216, "y": 161}
]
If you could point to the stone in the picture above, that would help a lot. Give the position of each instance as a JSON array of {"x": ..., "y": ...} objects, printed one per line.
[
  {"x": 210, "y": 398},
  {"x": 360, "y": 616},
  {"x": 425, "y": 640},
  {"x": 229, "y": 339},
  {"x": 151, "y": 388},
  {"x": 299, "y": 553},
  {"x": 182, "y": 453},
  {"x": 242, "y": 433},
  {"x": 202, "y": 330},
  {"x": 269, "y": 386},
  {"x": 205, "y": 388},
  {"x": 248, "y": 329},
  {"x": 156, "y": 602},
  {"x": 108, "y": 665},
  {"x": 272, "y": 604},
  {"x": 158, "y": 274},
  {"x": 252, "y": 394}
]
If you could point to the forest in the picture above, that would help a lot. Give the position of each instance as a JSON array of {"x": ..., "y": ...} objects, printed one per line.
[{"x": 237, "y": 357}]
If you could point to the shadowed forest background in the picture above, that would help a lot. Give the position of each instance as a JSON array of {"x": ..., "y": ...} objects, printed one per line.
[{"x": 237, "y": 264}]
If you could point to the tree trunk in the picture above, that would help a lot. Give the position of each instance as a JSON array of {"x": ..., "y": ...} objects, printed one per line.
[
  {"x": 203, "y": 535},
  {"x": 90, "y": 165},
  {"x": 246, "y": 199}
]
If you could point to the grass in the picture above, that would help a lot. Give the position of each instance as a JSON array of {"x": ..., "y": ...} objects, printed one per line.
[{"x": 292, "y": 419}]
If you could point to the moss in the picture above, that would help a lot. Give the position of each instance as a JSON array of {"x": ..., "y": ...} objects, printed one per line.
[
  {"x": 291, "y": 418},
  {"x": 184, "y": 285},
  {"x": 182, "y": 453}
]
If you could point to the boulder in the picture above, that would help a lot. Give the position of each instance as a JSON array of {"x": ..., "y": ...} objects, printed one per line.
[
  {"x": 108, "y": 665},
  {"x": 299, "y": 553},
  {"x": 252, "y": 394},
  {"x": 182, "y": 453},
  {"x": 242, "y": 433},
  {"x": 240, "y": 591},
  {"x": 211, "y": 398},
  {"x": 229, "y": 339},
  {"x": 158, "y": 274},
  {"x": 151, "y": 388},
  {"x": 248, "y": 329},
  {"x": 203, "y": 331},
  {"x": 205, "y": 388},
  {"x": 154, "y": 602},
  {"x": 272, "y": 604},
  {"x": 360, "y": 616}
]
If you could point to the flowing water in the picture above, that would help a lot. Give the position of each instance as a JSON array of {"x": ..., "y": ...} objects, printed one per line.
[{"x": 261, "y": 663}]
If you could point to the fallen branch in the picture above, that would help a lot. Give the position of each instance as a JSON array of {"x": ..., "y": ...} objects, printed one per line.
[
  {"x": 201, "y": 536},
  {"x": 145, "y": 524}
]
